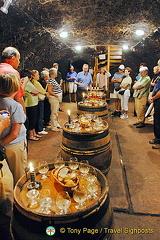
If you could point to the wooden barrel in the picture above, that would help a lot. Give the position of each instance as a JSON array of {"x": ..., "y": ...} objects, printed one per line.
[
  {"x": 96, "y": 148},
  {"x": 100, "y": 111},
  {"x": 90, "y": 223}
]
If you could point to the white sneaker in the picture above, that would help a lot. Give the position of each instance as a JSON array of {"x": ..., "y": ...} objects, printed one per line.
[
  {"x": 43, "y": 132},
  {"x": 55, "y": 130},
  {"x": 59, "y": 126},
  {"x": 123, "y": 116}
]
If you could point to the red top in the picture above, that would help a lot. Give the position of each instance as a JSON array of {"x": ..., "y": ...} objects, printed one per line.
[{"x": 7, "y": 68}]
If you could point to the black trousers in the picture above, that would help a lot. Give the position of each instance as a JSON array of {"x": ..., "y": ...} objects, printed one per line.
[
  {"x": 157, "y": 119},
  {"x": 32, "y": 116},
  {"x": 80, "y": 94}
]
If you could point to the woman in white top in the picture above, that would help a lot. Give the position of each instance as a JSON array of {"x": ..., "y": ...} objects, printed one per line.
[
  {"x": 126, "y": 85},
  {"x": 101, "y": 79}
]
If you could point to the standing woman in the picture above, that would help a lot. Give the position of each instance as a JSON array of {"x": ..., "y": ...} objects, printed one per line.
[
  {"x": 6, "y": 183},
  {"x": 47, "y": 111},
  {"x": 40, "y": 107},
  {"x": 55, "y": 95},
  {"x": 101, "y": 79},
  {"x": 126, "y": 85},
  {"x": 13, "y": 138},
  {"x": 31, "y": 102}
]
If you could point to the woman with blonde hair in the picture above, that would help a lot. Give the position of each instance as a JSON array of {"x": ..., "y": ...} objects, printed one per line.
[{"x": 14, "y": 136}]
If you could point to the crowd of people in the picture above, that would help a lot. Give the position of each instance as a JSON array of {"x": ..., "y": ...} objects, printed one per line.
[
  {"x": 145, "y": 91},
  {"x": 30, "y": 101}
]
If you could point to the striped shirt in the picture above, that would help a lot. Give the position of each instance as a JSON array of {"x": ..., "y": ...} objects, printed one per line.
[{"x": 56, "y": 87}]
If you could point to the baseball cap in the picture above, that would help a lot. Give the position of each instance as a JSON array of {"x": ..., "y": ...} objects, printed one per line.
[{"x": 121, "y": 67}]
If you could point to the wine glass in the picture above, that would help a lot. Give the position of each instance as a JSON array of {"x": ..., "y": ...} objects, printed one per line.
[
  {"x": 32, "y": 194},
  {"x": 79, "y": 196},
  {"x": 59, "y": 162},
  {"x": 73, "y": 163},
  {"x": 92, "y": 175},
  {"x": 43, "y": 169},
  {"x": 45, "y": 205},
  {"x": 92, "y": 189},
  {"x": 84, "y": 167},
  {"x": 63, "y": 202}
]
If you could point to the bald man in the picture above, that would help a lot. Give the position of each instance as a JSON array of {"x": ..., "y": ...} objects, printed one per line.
[{"x": 11, "y": 60}]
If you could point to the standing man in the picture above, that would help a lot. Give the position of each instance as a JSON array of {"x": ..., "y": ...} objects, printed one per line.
[
  {"x": 155, "y": 99},
  {"x": 71, "y": 78},
  {"x": 117, "y": 79},
  {"x": 59, "y": 80},
  {"x": 141, "y": 95},
  {"x": 84, "y": 80},
  {"x": 11, "y": 60}
]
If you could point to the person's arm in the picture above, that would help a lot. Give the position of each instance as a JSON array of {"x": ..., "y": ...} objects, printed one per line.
[
  {"x": 24, "y": 82},
  {"x": 15, "y": 130},
  {"x": 39, "y": 88},
  {"x": 153, "y": 98},
  {"x": 124, "y": 85},
  {"x": 137, "y": 86},
  {"x": 50, "y": 88}
]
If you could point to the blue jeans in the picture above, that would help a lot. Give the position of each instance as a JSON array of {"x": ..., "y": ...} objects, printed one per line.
[{"x": 40, "y": 116}]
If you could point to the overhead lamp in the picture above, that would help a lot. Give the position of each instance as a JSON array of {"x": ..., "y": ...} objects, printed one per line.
[
  {"x": 6, "y": 5},
  {"x": 125, "y": 47},
  {"x": 78, "y": 48},
  {"x": 139, "y": 32},
  {"x": 63, "y": 34}
]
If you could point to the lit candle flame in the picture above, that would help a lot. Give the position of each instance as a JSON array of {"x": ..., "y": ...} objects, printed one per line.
[
  {"x": 83, "y": 94},
  {"x": 31, "y": 168},
  {"x": 69, "y": 112}
]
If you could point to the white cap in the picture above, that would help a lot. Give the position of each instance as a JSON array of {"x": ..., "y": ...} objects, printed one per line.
[
  {"x": 142, "y": 69},
  {"x": 71, "y": 67},
  {"x": 121, "y": 67}
]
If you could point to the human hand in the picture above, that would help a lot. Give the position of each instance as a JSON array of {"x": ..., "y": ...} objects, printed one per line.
[
  {"x": 150, "y": 100},
  {"x": 4, "y": 119}
]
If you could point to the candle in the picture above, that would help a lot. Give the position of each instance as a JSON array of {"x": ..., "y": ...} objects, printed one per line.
[
  {"x": 31, "y": 168},
  {"x": 32, "y": 172},
  {"x": 69, "y": 117},
  {"x": 83, "y": 95}
]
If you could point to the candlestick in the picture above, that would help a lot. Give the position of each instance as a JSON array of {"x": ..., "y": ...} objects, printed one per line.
[
  {"x": 69, "y": 117},
  {"x": 33, "y": 184}
]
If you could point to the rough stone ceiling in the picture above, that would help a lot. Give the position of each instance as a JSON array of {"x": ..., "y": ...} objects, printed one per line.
[{"x": 92, "y": 22}]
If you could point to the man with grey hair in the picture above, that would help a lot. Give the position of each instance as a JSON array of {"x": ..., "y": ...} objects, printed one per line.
[
  {"x": 11, "y": 60},
  {"x": 83, "y": 81}
]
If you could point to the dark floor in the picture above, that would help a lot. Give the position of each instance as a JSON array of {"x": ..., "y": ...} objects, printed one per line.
[{"x": 134, "y": 178}]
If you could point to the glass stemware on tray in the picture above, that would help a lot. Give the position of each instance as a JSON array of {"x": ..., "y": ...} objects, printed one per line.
[
  {"x": 63, "y": 202},
  {"x": 43, "y": 168},
  {"x": 80, "y": 196},
  {"x": 32, "y": 195}
]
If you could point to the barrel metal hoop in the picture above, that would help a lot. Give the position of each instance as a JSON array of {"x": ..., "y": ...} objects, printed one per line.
[{"x": 81, "y": 152}]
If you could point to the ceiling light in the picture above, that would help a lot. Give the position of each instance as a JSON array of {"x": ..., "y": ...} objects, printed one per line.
[
  {"x": 78, "y": 48},
  {"x": 139, "y": 32},
  {"x": 6, "y": 5},
  {"x": 63, "y": 34},
  {"x": 125, "y": 47}
]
